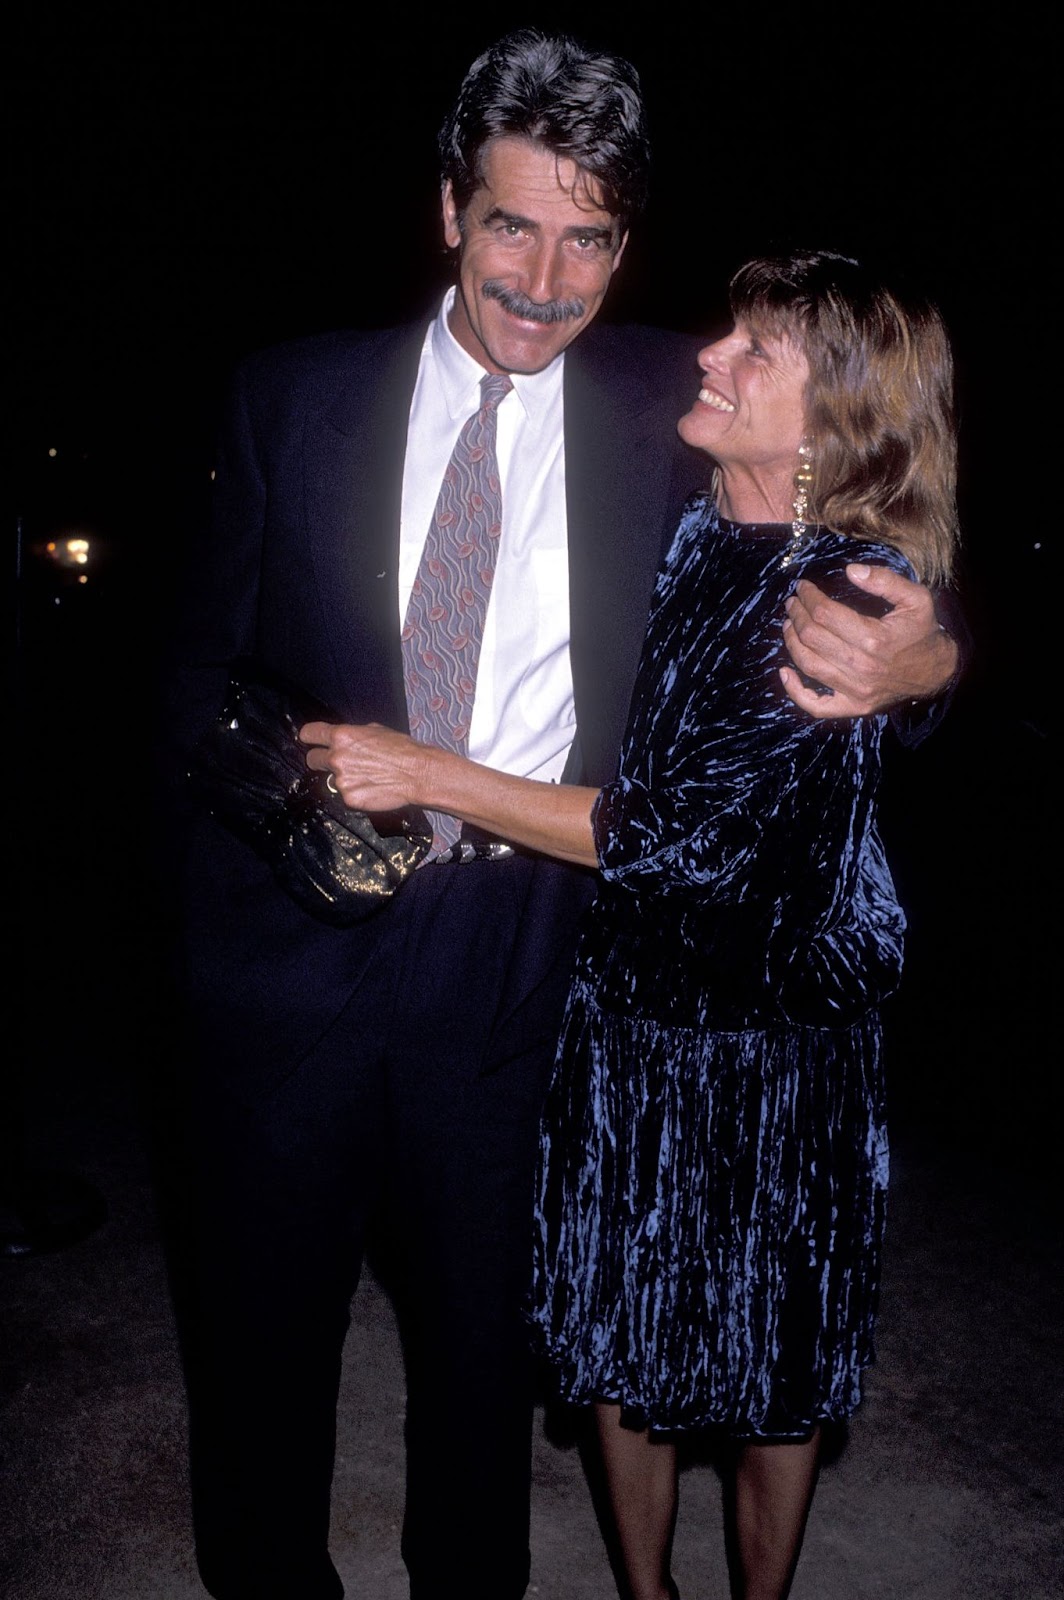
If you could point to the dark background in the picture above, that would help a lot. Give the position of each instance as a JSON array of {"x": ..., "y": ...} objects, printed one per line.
[{"x": 189, "y": 184}]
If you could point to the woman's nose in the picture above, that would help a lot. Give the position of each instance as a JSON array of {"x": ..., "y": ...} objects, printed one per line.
[{"x": 710, "y": 356}]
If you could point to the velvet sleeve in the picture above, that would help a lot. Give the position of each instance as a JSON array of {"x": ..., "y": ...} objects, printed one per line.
[
  {"x": 703, "y": 827},
  {"x": 700, "y": 785}
]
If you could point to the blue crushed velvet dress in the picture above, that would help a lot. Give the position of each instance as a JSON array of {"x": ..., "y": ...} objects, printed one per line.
[{"x": 714, "y": 1158}]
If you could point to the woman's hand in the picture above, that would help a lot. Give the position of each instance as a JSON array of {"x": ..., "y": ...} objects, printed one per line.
[
  {"x": 373, "y": 768},
  {"x": 376, "y": 769}
]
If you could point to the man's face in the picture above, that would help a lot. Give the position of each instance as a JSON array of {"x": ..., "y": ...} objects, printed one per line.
[{"x": 537, "y": 252}]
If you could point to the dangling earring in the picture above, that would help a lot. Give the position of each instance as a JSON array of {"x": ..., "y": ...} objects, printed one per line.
[{"x": 803, "y": 478}]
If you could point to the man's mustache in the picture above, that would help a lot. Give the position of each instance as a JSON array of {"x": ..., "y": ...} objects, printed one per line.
[{"x": 519, "y": 305}]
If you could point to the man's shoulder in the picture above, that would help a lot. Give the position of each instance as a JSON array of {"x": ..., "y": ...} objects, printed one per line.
[
  {"x": 632, "y": 364},
  {"x": 324, "y": 364},
  {"x": 334, "y": 376},
  {"x": 633, "y": 342}
]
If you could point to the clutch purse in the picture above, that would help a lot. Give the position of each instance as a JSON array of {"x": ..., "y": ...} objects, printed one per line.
[{"x": 250, "y": 773}]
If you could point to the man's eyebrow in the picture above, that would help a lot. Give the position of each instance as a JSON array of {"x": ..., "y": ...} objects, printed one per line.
[{"x": 509, "y": 218}]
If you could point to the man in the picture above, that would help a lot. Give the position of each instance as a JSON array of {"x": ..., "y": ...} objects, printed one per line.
[{"x": 409, "y": 1054}]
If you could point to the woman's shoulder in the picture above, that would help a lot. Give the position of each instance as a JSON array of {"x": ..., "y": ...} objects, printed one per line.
[
  {"x": 698, "y": 515},
  {"x": 828, "y": 551},
  {"x": 700, "y": 507},
  {"x": 824, "y": 559}
]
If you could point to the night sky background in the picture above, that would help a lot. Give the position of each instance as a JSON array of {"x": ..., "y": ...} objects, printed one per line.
[{"x": 188, "y": 184}]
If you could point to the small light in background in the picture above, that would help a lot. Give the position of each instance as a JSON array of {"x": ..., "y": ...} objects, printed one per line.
[
  {"x": 72, "y": 554},
  {"x": 73, "y": 551}
]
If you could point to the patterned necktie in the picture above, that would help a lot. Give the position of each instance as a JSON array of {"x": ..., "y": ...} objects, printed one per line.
[{"x": 449, "y": 601}]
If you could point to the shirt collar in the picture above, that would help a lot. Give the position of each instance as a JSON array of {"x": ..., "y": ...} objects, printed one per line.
[{"x": 460, "y": 375}]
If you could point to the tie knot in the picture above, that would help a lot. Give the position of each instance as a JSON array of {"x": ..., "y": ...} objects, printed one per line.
[{"x": 493, "y": 386}]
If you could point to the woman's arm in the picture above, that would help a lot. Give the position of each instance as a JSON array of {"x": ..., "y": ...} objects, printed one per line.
[
  {"x": 721, "y": 772},
  {"x": 376, "y": 769}
]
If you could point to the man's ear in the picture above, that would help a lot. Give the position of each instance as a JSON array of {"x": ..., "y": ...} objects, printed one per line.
[
  {"x": 452, "y": 231},
  {"x": 619, "y": 252}
]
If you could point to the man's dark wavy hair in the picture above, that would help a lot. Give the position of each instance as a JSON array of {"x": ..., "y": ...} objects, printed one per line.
[{"x": 582, "y": 104}]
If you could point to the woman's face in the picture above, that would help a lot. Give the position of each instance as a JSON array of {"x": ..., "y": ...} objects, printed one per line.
[{"x": 750, "y": 411}]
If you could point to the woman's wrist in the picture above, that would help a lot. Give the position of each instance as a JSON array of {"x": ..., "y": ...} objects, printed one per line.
[{"x": 435, "y": 776}]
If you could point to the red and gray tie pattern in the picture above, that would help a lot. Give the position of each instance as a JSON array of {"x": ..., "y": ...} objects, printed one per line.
[{"x": 445, "y": 615}]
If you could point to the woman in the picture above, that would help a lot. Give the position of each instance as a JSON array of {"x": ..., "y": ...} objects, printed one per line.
[{"x": 710, "y": 1204}]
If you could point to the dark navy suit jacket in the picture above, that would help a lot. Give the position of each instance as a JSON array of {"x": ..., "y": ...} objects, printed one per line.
[{"x": 299, "y": 570}]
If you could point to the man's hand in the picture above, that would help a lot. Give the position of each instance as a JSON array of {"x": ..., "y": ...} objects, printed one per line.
[
  {"x": 372, "y": 767},
  {"x": 869, "y": 663}
]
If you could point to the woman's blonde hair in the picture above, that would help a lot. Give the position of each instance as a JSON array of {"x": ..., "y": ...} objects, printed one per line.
[{"x": 878, "y": 402}]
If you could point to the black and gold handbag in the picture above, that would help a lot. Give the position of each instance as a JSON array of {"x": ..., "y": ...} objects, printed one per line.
[{"x": 250, "y": 773}]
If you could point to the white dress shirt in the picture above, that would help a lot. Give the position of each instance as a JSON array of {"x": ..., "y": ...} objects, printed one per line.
[{"x": 523, "y": 718}]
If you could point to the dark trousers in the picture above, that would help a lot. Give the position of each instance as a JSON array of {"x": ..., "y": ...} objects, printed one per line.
[{"x": 427, "y": 1087}]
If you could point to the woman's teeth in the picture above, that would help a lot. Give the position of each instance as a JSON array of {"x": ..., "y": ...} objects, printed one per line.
[{"x": 717, "y": 401}]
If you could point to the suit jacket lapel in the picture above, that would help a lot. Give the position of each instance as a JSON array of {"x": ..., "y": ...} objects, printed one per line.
[
  {"x": 618, "y": 452},
  {"x": 620, "y": 446},
  {"x": 353, "y": 452}
]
